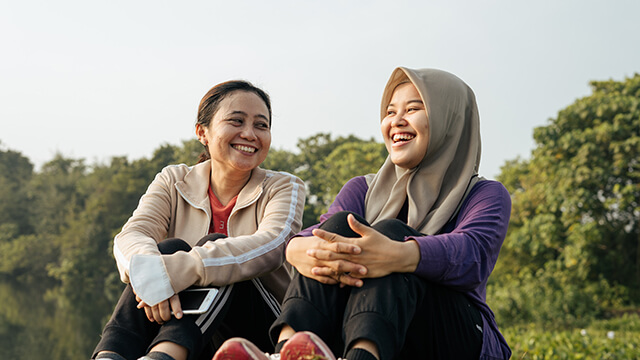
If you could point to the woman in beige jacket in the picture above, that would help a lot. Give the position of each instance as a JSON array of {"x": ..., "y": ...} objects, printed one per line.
[{"x": 223, "y": 222}]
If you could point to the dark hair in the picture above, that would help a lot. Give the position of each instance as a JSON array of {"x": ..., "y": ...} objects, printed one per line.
[{"x": 211, "y": 102}]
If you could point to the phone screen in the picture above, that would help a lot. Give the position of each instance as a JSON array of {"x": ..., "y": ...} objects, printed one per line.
[{"x": 191, "y": 300}]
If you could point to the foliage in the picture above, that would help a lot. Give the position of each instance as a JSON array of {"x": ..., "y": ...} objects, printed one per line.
[
  {"x": 604, "y": 339},
  {"x": 15, "y": 172},
  {"x": 343, "y": 163},
  {"x": 315, "y": 162},
  {"x": 572, "y": 250}
]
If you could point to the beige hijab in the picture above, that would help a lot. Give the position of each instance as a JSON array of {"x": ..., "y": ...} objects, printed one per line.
[{"x": 436, "y": 187}]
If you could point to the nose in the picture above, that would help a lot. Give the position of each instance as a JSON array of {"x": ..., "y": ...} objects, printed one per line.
[
  {"x": 248, "y": 132},
  {"x": 399, "y": 119}
]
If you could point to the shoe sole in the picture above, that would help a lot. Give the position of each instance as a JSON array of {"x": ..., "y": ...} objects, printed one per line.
[
  {"x": 239, "y": 349},
  {"x": 297, "y": 348}
]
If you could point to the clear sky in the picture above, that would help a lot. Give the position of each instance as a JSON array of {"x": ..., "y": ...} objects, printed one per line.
[{"x": 96, "y": 79}]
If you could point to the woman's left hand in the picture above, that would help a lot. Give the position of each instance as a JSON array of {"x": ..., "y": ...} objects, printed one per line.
[
  {"x": 380, "y": 255},
  {"x": 161, "y": 312}
]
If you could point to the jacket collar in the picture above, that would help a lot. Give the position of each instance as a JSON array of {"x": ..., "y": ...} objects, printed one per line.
[{"x": 195, "y": 185}]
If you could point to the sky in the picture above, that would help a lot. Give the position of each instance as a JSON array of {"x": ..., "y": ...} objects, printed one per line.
[{"x": 97, "y": 79}]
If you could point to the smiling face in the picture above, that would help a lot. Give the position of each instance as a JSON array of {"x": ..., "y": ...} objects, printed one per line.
[
  {"x": 239, "y": 135},
  {"x": 405, "y": 128}
]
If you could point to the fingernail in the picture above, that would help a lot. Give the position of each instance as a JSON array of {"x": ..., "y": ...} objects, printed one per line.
[
  {"x": 362, "y": 271},
  {"x": 356, "y": 250},
  {"x": 179, "y": 315}
]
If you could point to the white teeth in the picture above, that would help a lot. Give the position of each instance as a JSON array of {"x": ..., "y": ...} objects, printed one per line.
[
  {"x": 245, "y": 148},
  {"x": 403, "y": 137}
]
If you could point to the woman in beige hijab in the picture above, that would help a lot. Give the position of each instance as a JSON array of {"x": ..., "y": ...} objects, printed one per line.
[{"x": 412, "y": 285}]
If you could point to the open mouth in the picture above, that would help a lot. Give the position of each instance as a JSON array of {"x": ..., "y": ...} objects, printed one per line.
[
  {"x": 403, "y": 137},
  {"x": 245, "y": 148}
]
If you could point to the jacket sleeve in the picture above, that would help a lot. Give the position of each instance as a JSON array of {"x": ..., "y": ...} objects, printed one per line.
[
  {"x": 464, "y": 257},
  {"x": 147, "y": 226},
  {"x": 243, "y": 257}
]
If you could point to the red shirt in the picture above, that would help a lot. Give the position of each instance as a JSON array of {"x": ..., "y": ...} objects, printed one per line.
[{"x": 220, "y": 213}]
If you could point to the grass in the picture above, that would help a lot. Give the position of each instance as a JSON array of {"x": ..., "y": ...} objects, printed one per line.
[{"x": 616, "y": 338}]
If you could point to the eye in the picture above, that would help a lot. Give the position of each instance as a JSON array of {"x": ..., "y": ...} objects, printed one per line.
[
  {"x": 262, "y": 125},
  {"x": 236, "y": 121},
  {"x": 390, "y": 112}
]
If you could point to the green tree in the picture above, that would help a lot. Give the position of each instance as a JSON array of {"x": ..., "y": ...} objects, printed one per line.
[
  {"x": 282, "y": 160},
  {"x": 15, "y": 173},
  {"x": 573, "y": 247},
  {"x": 312, "y": 169},
  {"x": 345, "y": 162},
  {"x": 189, "y": 152}
]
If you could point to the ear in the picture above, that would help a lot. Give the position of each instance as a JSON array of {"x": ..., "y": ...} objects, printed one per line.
[{"x": 201, "y": 134}]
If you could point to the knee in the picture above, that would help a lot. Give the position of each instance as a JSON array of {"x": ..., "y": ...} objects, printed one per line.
[
  {"x": 210, "y": 237},
  {"x": 172, "y": 245},
  {"x": 395, "y": 229},
  {"x": 338, "y": 224}
]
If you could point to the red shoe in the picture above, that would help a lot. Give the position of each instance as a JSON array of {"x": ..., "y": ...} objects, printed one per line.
[
  {"x": 239, "y": 349},
  {"x": 305, "y": 345}
]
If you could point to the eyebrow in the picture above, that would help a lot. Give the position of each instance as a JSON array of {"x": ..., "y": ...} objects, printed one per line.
[
  {"x": 245, "y": 114},
  {"x": 409, "y": 102}
]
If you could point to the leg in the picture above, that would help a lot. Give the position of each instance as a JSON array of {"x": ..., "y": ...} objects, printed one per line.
[
  {"x": 190, "y": 336},
  {"x": 312, "y": 306},
  {"x": 423, "y": 319},
  {"x": 446, "y": 326},
  {"x": 381, "y": 311},
  {"x": 250, "y": 315},
  {"x": 129, "y": 332}
]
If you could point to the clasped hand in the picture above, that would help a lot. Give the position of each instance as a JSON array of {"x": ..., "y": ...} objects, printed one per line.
[{"x": 333, "y": 259}]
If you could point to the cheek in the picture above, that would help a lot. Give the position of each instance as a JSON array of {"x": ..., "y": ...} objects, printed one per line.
[
  {"x": 384, "y": 129},
  {"x": 266, "y": 140}
]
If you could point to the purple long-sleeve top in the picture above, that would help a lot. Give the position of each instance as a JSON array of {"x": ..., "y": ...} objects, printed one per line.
[{"x": 462, "y": 255}]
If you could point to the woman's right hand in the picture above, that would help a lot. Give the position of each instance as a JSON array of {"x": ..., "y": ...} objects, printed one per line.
[
  {"x": 161, "y": 312},
  {"x": 304, "y": 254}
]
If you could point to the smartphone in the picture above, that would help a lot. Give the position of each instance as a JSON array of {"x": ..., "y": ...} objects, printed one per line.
[{"x": 197, "y": 300}]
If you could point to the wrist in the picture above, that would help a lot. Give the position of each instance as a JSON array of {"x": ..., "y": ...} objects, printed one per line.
[
  {"x": 292, "y": 251},
  {"x": 410, "y": 256}
]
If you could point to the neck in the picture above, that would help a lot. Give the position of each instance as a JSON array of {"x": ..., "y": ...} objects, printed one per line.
[{"x": 227, "y": 185}]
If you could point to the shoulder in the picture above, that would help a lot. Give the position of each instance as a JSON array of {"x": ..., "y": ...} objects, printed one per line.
[
  {"x": 182, "y": 172},
  {"x": 488, "y": 195},
  {"x": 354, "y": 188},
  {"x": 173, "y": 173},
  {"x": 272, "y": 176},
  {"x": 176, "y": 170},
  {"x": 279, "y": 181},
  {"x": 489, "y": 188},
  {"x": 357, "y": 183}
]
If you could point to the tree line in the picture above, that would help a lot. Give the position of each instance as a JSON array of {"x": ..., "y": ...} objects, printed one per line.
[{"x": 572, "y": 252}]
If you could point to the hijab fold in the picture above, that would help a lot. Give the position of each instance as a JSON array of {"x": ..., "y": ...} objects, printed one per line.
[{"x": 435, "y": 188}]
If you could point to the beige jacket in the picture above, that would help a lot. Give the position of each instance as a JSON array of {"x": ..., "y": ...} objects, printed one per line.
[{"x": 267, "y": 213}]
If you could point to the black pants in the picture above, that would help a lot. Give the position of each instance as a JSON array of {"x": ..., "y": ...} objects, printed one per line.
[
  {"x": 242, "y": 309},
  {"x": 406, "y": 316}
]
